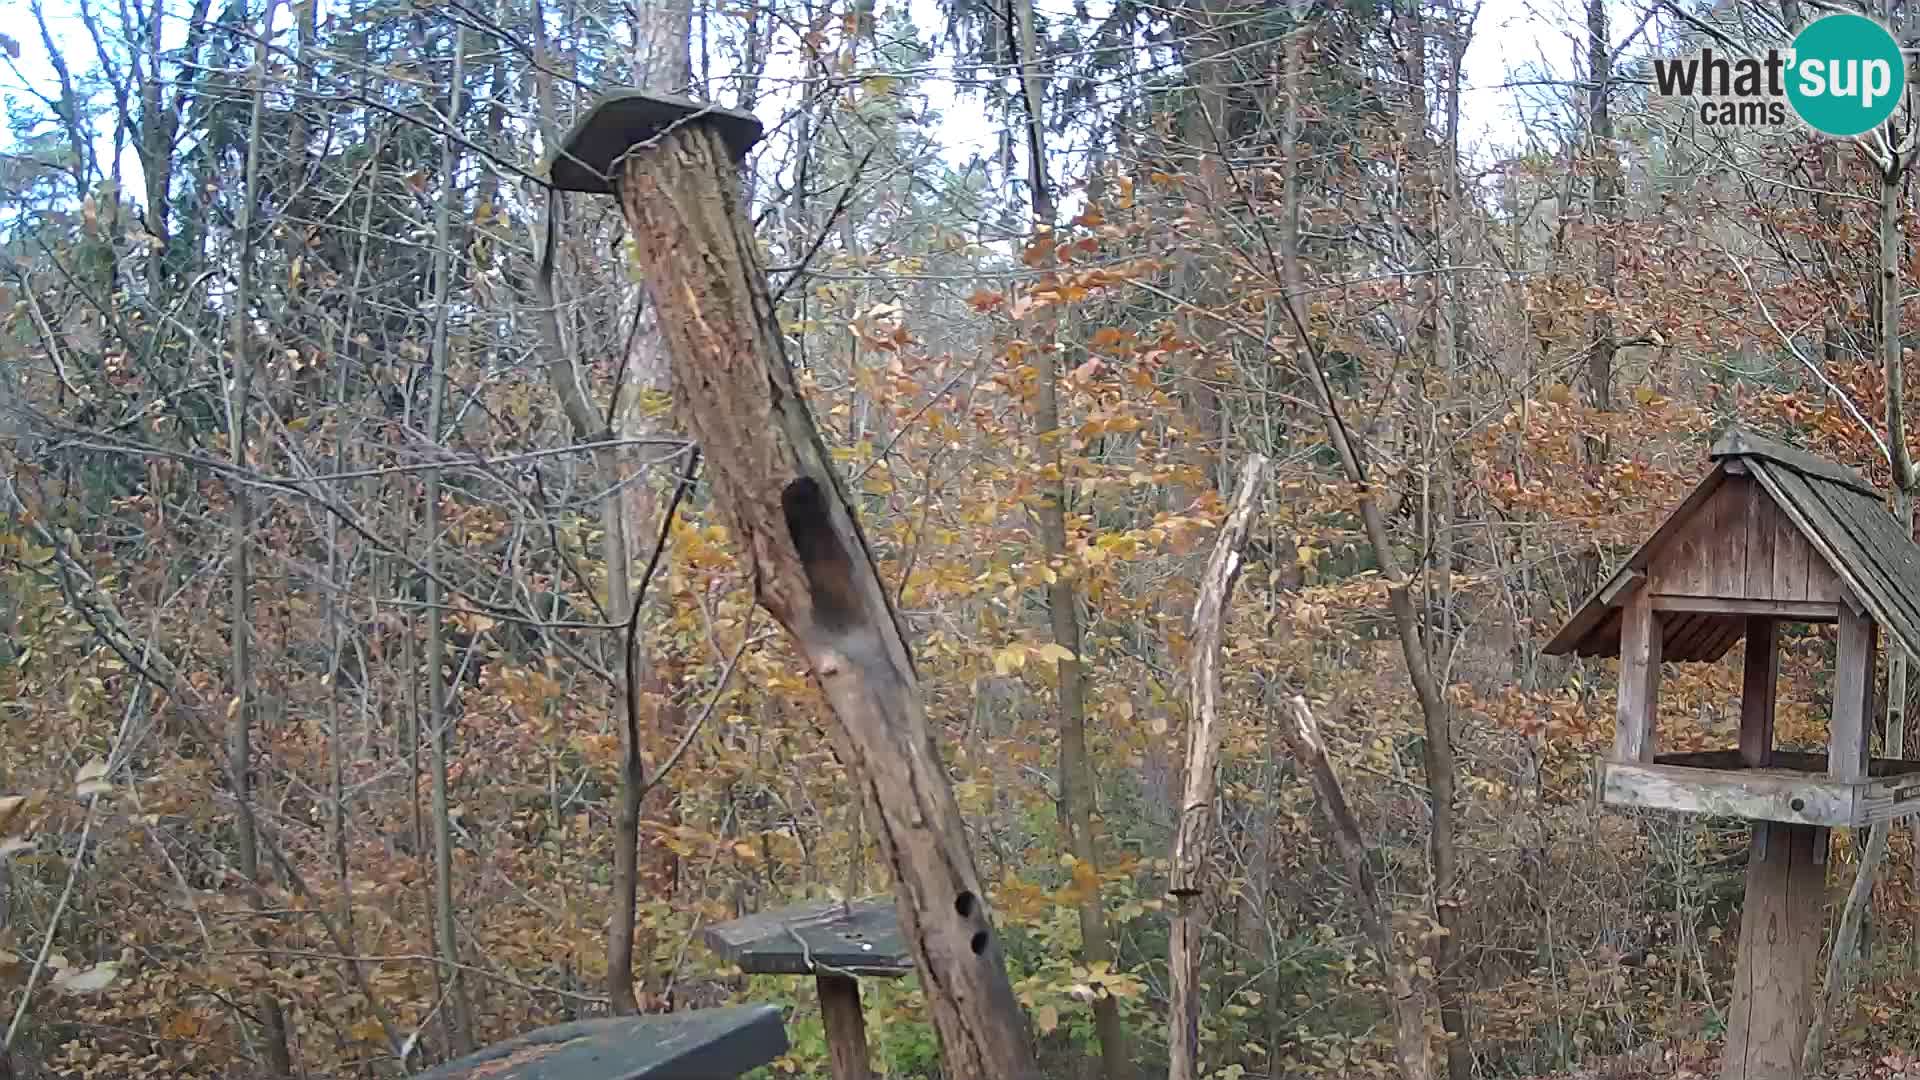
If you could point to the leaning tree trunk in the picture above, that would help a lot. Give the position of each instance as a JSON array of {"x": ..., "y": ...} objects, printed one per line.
[
  {"x": 1204, "y": 729},
  {"x": 813, "y": 571}
]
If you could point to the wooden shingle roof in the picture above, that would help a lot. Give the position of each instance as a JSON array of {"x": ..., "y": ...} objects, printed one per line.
[{"x": 1854, "y": 545}]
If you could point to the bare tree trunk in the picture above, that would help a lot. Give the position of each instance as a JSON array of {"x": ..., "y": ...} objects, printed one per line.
[
  {"x": 1433, "y": 707},
  {"x": 240, "y": 725},
  {"x": 1406, "y": 998},
  {"x": 661, "y": 62},
  {"x": 1837, "y": 988},
  {"x": 1203, "y": 748},
  {"x": 1063, "y": 596},
  {"x": 459, "y": 1020}
]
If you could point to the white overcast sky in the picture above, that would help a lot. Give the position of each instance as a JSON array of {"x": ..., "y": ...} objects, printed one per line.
[{"x": 1514, "y": 41}]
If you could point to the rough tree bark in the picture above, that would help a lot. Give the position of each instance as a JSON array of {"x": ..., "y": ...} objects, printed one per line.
[
  {"x": 1203, "y": 748},
  {"x": 789, "y": 514}
]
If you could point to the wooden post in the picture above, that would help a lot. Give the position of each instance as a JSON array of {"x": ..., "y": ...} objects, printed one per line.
[
  {"x": 1759, "y": 683},
  {"x": 1640, "y": 642},
  {"x": 1849, "y": 730},
  {"x": 846, "y": 1025},
  {"x": 675, "y": 165},
  {"x": 1204, "y": 730},
  {"x": 1780, "y": 927}
]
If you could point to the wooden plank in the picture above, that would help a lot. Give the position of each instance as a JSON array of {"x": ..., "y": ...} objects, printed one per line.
[
  {"x": 1862, "y": 527},
  {"x": 712, "y": 1043},
  {"x": 1780, "y": 928},
  {"x": 1809, "y": 799},
  {"x": 1578, "y": 634},
  {"x": 1640, "y": 649},
  {"x": 1700, "y": 635},
  {"x": 1884, "y": 773},
  {"x": 1686, "y": 565},
  {"x": 1727, "y": 633},
  {"x": 1762, "y": 520},
  {"x": 862, "y": 938},
  {"x": 1823, "y": 585},
  {"x": 1796, "y": 500},
  {"x": 1880, "y": 565},
  {"x": 1726, "y": 540},
  {"x": 1790, "y": 554},
  {"x": 1675, "y": 631},
  {"x": 1790, "y": 610},
  {"x": 1889, "y": 799},
  {"x": 1628, "y": 578},
  {"x": 1758, "y": 683},
  {"x": 1849, "y": 728}
]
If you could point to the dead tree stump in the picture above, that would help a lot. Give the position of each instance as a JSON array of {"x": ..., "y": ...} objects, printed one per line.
[{"x": 674, "y": 165}]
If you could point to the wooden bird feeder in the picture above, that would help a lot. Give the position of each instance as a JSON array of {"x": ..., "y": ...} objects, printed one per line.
[
  {"x": 699, "y": 1044},
  {"x": 837, "y": 944},
  {"x": 1771, "y": 535}
]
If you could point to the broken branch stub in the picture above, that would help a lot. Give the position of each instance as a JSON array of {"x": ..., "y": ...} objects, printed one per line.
[{"x": 775, "y": 483}]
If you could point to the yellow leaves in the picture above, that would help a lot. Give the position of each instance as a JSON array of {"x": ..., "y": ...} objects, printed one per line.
[
  {"x": 1010, "y": 659},
  {"x": 1046, "y": 1018},
  {"x": 1055, "y": 652},
  {"x": 1014, "y": 657}
]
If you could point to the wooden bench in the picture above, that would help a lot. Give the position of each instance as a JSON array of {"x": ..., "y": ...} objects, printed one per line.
[{"x": 700, "y": 1044}]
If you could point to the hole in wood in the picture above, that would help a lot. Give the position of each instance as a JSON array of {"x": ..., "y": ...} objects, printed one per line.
[
  {"x": 1798, "y": 805},
  {"x": 964, "y": 905},
  {"x": 979, "y": 942}
]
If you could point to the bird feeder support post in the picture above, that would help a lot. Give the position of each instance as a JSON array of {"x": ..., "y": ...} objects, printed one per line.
[{"x": 674, "y": 165}]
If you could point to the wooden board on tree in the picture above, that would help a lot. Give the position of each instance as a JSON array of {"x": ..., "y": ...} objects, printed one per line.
[
  {"x": 699, "y": 1044},
  {"x": 861, "y": 938}
]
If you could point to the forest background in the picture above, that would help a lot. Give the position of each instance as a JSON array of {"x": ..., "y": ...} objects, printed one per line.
[{"x": 325, "y": 512}]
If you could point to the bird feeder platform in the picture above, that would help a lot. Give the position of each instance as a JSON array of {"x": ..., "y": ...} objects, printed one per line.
[
  {"x": 837, "y": 943},
  {"x": 699, "y": 1044},
  {"x": 1772, "y": 534}
]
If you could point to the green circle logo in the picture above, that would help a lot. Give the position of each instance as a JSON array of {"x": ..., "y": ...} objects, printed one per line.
[{"x": 1848, "y": 75}]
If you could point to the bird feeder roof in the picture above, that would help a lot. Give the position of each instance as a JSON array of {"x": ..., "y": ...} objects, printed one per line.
[{"x": 1770, "y": 530}]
